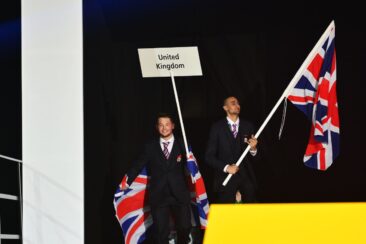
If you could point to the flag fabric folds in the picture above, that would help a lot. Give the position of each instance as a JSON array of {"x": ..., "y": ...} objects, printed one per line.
[
  {"x": 315, "y": 95},
  {"x": 133, "y": 211},
  {"x": 199, "y": 200}
]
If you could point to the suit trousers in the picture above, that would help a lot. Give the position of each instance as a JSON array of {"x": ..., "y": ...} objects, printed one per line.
[
  {"x": 181, "y": 214},
  {"x": 239, "y": 182}
]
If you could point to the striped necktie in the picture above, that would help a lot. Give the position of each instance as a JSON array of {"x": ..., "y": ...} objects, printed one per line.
[
  {"x": 165, "y": 150},
  {"x": 235, "y": 132}
]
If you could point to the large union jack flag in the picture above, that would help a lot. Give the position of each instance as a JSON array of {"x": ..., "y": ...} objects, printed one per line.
[
  {"x": 133, "y": 211},
  {"x": 315, "y": 95}
]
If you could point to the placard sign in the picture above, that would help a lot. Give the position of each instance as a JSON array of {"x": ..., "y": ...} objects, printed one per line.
[{"x": 158, "y": 62}]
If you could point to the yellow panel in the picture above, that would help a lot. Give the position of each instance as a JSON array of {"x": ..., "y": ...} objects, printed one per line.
[{"x": 287, "y": 223}]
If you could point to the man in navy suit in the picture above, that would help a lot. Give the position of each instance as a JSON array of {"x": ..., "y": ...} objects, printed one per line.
[
  {"x": 168, "y": 192},
  {"x": 227, "y": 141}
]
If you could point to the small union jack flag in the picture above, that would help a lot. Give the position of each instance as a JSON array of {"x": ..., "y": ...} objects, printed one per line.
[
  {"x": 315, "y": 95},
  {"x": 199, "y": 200},
  {"x": 132, "y": 210}
]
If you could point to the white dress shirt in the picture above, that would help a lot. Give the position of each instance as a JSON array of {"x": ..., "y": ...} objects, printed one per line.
[
  {"x": 170, "y": 145},
  {"x": 231, "y": 123}
]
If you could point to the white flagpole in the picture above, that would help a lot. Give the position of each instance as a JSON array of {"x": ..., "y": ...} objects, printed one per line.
[
  {"x": 179, "y": 113},
  {"x": 287, "y": 91}
]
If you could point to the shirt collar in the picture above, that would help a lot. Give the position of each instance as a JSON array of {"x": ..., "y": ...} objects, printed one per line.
[
  {"x": 171, "y": 140},
  {"x": 232, "y": 122}
]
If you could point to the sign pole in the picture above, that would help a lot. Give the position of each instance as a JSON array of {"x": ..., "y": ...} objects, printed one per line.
[{"x": 179, "y": 113}]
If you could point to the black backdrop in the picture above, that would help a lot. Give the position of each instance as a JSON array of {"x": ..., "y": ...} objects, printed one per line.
[
  {"x": 10, "y": 109},
  {"x": 250, "y": 50}
]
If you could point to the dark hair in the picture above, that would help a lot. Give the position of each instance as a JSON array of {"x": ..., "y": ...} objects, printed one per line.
[
  {"x": 164, "y": 115},
  {"x": 224, "y": 101}
]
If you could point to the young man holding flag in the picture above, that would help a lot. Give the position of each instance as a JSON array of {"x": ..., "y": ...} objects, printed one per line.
[{"x": 228, "y": 139}]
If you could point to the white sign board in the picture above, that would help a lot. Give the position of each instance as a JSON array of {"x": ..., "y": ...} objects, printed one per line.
[{"x": 158, "y": 62}]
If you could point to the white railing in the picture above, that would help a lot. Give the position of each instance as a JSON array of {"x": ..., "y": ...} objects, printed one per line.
[{"x": 8, "y": 197}]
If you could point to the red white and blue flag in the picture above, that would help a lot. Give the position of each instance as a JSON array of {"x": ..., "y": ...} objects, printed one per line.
[
  {"x": 133, "y": 212},
  {"x": 315, "y": 95},
  {"x": 199, "y": 200}
]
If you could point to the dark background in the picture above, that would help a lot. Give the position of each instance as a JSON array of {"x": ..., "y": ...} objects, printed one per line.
[
  {"x": 10, "y": 119},
  {"x": 10, "y": 80},
  {"x": 247, "y": 49},
  {"x": 250, "y": 50}
]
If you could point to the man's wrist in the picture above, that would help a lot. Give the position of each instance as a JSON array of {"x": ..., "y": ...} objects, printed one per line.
[{"x": 225, "y": 168}]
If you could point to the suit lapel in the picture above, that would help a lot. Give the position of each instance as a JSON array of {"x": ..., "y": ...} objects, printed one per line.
[
  {"x": 173, "y": 153},
  {"x": 227, "y": 129},
  {"x": 228, "y": 133},
  {"x": 241, "y": 134},
  {"x": 160, "y": 153}
]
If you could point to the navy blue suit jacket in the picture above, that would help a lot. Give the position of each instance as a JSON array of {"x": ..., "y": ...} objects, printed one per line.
[
  {"x": 223, "y": 148},
  {"x": 168, "y": 176}
]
